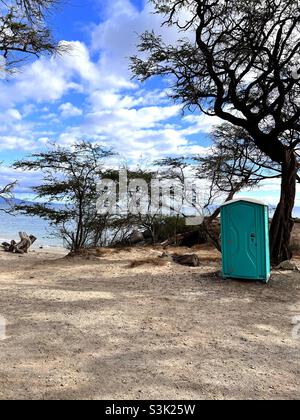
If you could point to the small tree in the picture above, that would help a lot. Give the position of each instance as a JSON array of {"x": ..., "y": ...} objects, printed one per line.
[{"x": 69, "y": 191}]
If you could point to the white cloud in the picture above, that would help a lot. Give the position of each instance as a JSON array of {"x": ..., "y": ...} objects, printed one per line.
[
  {"x": 69, "y": 110},
  {"x": 143, "y": 118},
  {"x": 10, "y": 115},
  {"x": 14, "y": 114},
  {"x": 201, "y": 123},
  {"x": 118, "y": 35},
  {"x": 16, "y": 143},
  {"x": 49, "y": 79}
]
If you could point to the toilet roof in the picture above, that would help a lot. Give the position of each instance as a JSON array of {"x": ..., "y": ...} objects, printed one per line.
[{"x": 249, "y": 200}]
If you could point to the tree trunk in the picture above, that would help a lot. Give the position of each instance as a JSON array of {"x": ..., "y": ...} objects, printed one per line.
[{"x": 282, "y": 223}]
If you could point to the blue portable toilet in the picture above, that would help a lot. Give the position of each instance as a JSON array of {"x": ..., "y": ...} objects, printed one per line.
[{"x": 245, "y": 239}]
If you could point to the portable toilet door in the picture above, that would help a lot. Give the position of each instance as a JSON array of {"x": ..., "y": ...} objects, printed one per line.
[{"x": 245, "y": 240}]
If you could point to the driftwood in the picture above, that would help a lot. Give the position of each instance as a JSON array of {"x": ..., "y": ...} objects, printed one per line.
[
  {"x": 21, "y": 247},
  {"x": 191, "y": 260}
]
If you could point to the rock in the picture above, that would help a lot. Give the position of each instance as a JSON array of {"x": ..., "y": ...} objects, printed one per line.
[
  {"x": 191, "y": 260},
  {"x": 166, "y": 257},
  {"x": 287, "y": 265},
  {"x": 136, "y": 237}
]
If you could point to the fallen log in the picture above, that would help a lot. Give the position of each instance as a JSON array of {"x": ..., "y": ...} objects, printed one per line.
[{"x": 21, "y": 247}]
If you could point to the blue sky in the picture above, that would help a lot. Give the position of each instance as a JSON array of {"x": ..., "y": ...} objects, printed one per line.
[{"x": 89, "y": 93}]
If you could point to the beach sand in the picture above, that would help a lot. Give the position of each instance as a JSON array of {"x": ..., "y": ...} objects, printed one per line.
[{"x": 96, "y": 329}]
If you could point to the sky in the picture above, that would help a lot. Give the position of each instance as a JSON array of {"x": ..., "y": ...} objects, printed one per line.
[{"x": 89, "y": 93}]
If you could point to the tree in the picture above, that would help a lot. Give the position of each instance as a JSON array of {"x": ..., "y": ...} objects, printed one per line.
[
  {"x": 23, "y": 32},
  {"x": 242, "y": 66},
  {"x": 232, "y": 164},
  {"x": 69, "y": 191}
]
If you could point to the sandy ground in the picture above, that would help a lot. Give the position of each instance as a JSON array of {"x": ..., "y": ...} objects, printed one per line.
[{"x": 96, "y": 329}]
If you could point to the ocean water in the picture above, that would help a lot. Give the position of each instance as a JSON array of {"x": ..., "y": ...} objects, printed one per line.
[
  {"x": 11, "y": 225},
  {"x": 296, "y": 212}
]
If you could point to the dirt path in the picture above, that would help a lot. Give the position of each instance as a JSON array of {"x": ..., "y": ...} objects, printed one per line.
[{"x": 100, "y": 330}]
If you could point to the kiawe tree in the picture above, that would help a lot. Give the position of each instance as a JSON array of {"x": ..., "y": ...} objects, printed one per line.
[
  {"x": 68, "y": 194},
  {"x": 238, "y": 61}
]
